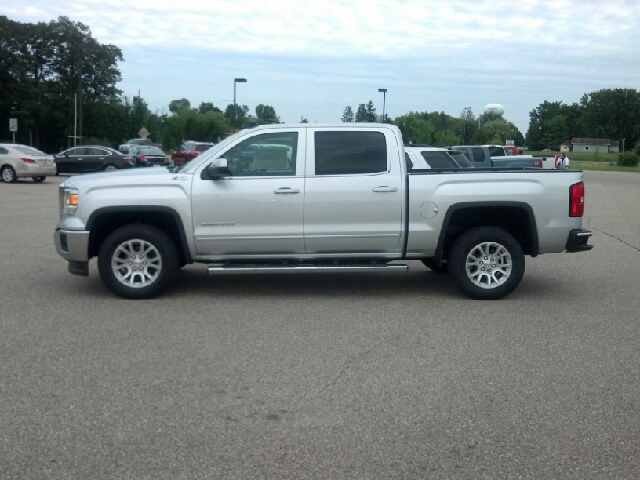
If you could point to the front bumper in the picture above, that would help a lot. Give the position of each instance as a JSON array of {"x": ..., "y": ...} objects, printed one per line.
[
  {"x": 577, "y": 241},
  {"x": 74, "y": 247}
]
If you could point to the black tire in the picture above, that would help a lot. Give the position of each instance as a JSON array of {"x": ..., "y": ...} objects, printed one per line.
[
  {"x": 38, "y": 179},
  {"x": 430, "y": 263},
  {"x": 157, "y": 261},
  {"x": 487, "y": 248},
  {"x": 110, "y": 168},
  {"x": 8, "y": 174}
]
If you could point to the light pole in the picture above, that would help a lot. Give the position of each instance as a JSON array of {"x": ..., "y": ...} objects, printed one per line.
[
  {"x": 384, "y": 100},
  {"x": 83, "y": 46},
  {"x": 235, "y": 107},
  {"x": 75, "y": 119}
]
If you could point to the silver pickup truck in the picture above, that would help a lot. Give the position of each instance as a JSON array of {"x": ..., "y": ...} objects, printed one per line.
[{"x": 312, "y": 198}]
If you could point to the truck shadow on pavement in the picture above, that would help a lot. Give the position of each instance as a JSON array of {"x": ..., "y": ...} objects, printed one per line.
[{"x": 195, "y": 281}]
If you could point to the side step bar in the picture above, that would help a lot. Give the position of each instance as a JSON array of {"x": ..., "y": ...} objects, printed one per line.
[{"x": 310, "y": 268}]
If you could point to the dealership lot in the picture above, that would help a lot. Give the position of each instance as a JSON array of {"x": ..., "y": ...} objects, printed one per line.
[{"x": 322, "y": 376}]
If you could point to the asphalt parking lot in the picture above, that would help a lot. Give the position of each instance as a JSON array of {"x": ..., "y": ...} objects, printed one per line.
[{"x": 322, "y": 376}]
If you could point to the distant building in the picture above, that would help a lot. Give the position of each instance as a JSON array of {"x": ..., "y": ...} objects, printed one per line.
[
  {"x": 591, "y": 145},
  {"x": 615, "y": 146}
]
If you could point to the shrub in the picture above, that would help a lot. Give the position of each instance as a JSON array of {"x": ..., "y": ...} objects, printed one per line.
[{"x": 628, "y": 159}]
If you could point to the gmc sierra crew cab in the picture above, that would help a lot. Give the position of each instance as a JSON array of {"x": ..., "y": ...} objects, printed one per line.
[{"x": 311, "y": 198}]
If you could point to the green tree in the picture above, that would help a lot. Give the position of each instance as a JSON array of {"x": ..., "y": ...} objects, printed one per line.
[
  {"x": 361, "y": 113},
  {"x": 415, "y": 128},
  {"x": 237, "y": 115},
  {"x": 348, "y": 115},
  {"x": 370, "y": 115},
  {"x": 468, "y": 125},
  {"x": 39, "y": 67},
  {"x": 613, "y": 113},
  {"x": 481, "y": 137},
  {"x": 177, "y": 106},
  {"x": 266, "y": 115},
  {"x": 208, "y": 107},
  {"x": 556, "y": 132}
]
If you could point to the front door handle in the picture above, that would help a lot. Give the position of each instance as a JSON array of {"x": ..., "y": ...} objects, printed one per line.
[
  {"x": 385, "y": 189},
  {"x": 286, "y": 191}
]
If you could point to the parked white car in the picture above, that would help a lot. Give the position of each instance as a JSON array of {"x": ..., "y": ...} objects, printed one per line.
[{"x": 18, "y": 161}]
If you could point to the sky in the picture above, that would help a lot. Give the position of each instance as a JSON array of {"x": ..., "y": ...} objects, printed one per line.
[{"x": 313, "y": 58}]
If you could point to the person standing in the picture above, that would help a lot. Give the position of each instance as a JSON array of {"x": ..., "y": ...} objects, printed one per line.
[{"x": 562, "y": 162}]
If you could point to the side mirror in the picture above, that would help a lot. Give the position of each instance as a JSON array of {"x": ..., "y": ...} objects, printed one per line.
[{"x": 217, "y": 169}]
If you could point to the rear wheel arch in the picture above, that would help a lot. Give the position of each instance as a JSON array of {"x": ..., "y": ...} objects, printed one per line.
[{"x": 515, "y": 218}]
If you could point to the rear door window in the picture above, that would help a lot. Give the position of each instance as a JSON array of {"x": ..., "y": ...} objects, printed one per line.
[
  {"x": 478, "y": 155},
  {"x": 349, "y": 153}
]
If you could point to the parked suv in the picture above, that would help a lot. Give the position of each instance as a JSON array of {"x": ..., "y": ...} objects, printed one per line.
[{"x": 188, "y": 151}]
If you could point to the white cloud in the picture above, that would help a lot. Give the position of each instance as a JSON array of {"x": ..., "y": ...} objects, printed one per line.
[{"x": 431, "y": 54}]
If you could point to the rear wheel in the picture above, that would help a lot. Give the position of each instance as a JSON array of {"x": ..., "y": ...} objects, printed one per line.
[
  {"x": 8, "y": 174},
  {"x": 110, "y": 168},
  {"x": 38, "y": 179},
  {"x": 486, "y": 263},
  {"x": 138, "y": 261}
]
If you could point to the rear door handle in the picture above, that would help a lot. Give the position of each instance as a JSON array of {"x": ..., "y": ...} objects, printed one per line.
[
  {"x": 286, "y": 191},
  {"x": 385, "y": 189}
]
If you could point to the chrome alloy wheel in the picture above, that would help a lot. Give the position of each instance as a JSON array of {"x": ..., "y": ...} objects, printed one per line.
[
  {"x": 8, "y": 174},
  {"x": 110, "y": 168},
  {"x": 488, "y": 265},
  {"x": 136, "y": 263}
]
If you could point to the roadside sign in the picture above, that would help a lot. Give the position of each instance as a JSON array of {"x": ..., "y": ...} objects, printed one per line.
[{"x": 13, "y": 124}]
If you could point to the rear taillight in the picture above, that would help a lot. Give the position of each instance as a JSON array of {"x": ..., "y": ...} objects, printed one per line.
[
  {"x": 28, "y": 160},
  {"x": 142, "y": 159},
  {"x": 127, "y": 159},
  {"x": 576, "y": 198}
]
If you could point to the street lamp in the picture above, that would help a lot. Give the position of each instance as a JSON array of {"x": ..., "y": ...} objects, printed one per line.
[
  {"x": 384, "y": 100},
  {"x": 235, "y": 107},
  {"x": 83, "y": 46}
]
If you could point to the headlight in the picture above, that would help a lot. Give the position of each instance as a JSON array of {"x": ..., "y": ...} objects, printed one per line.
[{"x": 69, "y": 198}]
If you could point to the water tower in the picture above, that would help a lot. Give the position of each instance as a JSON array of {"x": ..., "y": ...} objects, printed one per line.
[{"x": 494, "y": 109}]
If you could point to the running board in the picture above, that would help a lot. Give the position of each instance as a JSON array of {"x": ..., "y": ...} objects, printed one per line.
[{"x": 213, "y": 270}]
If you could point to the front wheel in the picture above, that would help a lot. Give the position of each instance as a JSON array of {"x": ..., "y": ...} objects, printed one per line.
[
  {"x": 138, "y": 261},
  {"x": 38, "y": 179},
  {"x": 486, "y": 263}
]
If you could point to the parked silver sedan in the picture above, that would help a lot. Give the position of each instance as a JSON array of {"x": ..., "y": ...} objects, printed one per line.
[{"x": 18, "y": 161}]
